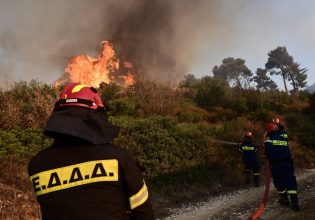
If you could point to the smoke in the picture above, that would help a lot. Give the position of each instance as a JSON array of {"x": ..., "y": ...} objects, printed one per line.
[
  {"x": 164, "y": 39},
  {"x": 145, "y": 36},
  {"x": 39, "y": 37},
  {"x": 158, "y": 36}
]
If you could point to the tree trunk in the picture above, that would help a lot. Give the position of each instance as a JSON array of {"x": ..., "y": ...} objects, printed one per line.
[
  {"x": 239, "y": 83},
  {"x": 295, "y": 87},
  {"x": 284, "y": 82}
]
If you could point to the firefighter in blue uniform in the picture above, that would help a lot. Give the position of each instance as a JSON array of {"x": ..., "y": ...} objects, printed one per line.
[
  {"x": 278, "y": 152},
  {"x": 82, "y": 175},
  {"x": 248, "y": 149}
]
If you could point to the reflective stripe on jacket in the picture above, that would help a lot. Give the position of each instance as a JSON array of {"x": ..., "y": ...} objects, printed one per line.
[
  {"x": 89, "y": 182},
  {"x": 277, "y": 146}
]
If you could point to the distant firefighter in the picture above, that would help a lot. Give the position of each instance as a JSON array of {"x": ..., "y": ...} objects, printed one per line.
[{"x": 248, "y": 150}]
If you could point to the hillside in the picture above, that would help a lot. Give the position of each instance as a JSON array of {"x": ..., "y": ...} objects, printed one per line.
[{"x": 174, "y": 133}]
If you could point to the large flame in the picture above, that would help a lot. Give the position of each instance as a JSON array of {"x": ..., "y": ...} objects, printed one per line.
[{"x": 92, "y": 71}]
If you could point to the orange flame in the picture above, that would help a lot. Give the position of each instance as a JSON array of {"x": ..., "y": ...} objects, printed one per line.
[{"x": 92, "y": 71}]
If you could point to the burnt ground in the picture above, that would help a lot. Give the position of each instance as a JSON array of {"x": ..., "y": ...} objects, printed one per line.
[{"x": 242, "y": 203}]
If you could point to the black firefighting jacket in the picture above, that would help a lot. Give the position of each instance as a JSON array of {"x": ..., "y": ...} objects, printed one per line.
[
  {"x": 78, "y": 179},
  {"x": 277, "y": 146},
  {"x": 248, "y": 149}
]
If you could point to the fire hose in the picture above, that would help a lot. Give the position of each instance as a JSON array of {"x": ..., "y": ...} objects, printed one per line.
[{"x": 264, "y": 200}]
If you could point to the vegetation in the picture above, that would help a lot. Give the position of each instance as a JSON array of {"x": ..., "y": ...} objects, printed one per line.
[
  {"x": 172, "y": 132},
  {"x": 281, "y": 63},
  {"x": 235, "y": 71},
  {"x": 264, "y": 83}
]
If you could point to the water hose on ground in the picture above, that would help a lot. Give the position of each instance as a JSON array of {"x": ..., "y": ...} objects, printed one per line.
[{"x": 264, "y": 200}]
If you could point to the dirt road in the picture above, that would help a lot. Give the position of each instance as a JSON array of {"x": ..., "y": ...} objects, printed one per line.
[{"x": 240, "y": 204}]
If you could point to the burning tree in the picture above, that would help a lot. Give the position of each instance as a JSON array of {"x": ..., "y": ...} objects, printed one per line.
[{"x": 107, "y": 68}]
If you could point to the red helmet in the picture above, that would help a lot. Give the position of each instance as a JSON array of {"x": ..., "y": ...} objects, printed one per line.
[
  {"x": 76, "y": 94},
  {"x": 248, "y": 134},
  {"x": 276, "y": 120},
  {"x": 271, "y": 127}
]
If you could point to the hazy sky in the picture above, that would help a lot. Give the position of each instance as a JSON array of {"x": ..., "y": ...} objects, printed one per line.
[{"x": 168, "y": 38}]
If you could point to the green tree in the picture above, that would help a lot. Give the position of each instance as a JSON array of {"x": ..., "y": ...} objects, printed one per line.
[
  {"x": 233, "y": 71},
  {"x": 264, "y": 83},
  {"x": 278, "y": 63},
  {"x": 281, "y": 63},
  {"x": 297, "y": 76}
]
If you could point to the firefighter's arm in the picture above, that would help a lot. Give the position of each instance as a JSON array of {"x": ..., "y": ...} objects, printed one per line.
[
  {"x": 240, "y": 148},
  {"x": 137, "y": 191}
]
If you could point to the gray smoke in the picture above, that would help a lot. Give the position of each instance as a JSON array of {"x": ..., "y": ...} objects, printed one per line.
[
  {"x": 164, "y": 39},
  {"x": 38, "y": 37}
]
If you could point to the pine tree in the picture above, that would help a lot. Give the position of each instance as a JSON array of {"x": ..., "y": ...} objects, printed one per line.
[
  {"x": 233, "y": 71},
  {"x": 297, "y": 76},
  {"x": 278, "y": 63},
  {"x": 264, "y": 83}
]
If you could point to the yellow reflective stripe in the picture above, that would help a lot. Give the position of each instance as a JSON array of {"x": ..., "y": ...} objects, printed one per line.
[
  {"x": 279, "y": 143},
  {"x": 268, "y": 141},
  {"x": 248, "y": 148},
  {"x": 281, "y": 192},
  {"x": 140, "y": 197},
  {"x": 256, "y": 174},
  {"x": 77, "y": 88},
  {"x": 75, "y": 175},
  {"x": 292, "y": 192},
  {"x": 284, "y": 135}
]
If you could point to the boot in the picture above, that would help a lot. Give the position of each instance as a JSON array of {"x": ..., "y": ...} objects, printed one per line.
[
  {"x": 256, "y": 180},
  {"x": 284, "y": 199},
  {"x": 294, "y": 202}
]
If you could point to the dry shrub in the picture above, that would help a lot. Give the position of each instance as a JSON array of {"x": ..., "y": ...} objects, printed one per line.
[
  {"x": 16, "y": 204},
  {"x": 17, "y": 200},
  {"x": 9, "y": 113},
  {"x": 15, "y": 174},
  {"x": 154, "y": 99},
  {"x": 26, "y": 105}
]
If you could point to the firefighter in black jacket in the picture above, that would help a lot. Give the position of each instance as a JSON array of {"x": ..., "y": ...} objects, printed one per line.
[
  {"x": 278, "y": 152},
  {"x": 248, "y": 149},
  {"x": 82, "y": 175}
]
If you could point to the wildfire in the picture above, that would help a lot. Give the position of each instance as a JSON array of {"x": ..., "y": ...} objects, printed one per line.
[{"x": 92, "y": 71}]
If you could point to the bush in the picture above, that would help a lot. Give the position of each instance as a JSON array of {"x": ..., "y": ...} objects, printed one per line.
[
  {"x": 162, "y": 145},
  {"x": 154, "y": 99},
  {"x": 212, "y": 93},
  {"x": 109, "y": 91},
  {"x": 22, "y": 142},
  {"x": 26, "y": 105},
  {"x": 189, "y": 112},
  {"x": 300, "y": 126},
  {"x": 123, "y": 106}
]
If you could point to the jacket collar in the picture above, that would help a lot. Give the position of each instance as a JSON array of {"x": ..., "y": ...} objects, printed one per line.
[{"x": 89, "y": 125}]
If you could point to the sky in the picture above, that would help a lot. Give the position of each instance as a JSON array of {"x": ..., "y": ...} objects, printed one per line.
[{"x": 165, "y": 39}]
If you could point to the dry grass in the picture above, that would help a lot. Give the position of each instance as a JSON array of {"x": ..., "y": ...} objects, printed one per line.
[
  {"x": 17, "y": 200},
  {"x": 16, "y": 204}
]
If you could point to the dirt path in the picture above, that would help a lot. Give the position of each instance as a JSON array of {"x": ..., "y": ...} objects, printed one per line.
[{"x": 240, "y": 204}]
